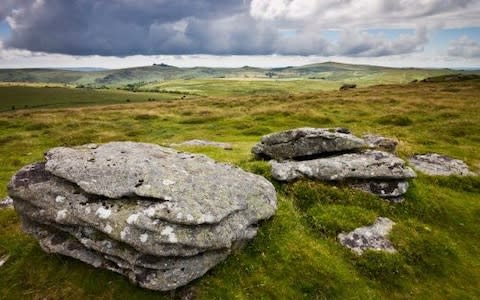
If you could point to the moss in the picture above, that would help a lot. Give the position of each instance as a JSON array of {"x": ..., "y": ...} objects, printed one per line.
[{"x": 331, "y": 220}]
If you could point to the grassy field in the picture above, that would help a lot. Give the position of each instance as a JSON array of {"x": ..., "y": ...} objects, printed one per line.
[
  {"x": 27, "y": 97},
  {"x": 240, "y": 87},
  {"x": 295, "y": 255}
]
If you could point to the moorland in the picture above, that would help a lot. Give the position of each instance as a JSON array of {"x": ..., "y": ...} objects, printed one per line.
[{"x": 296, "y": 254}]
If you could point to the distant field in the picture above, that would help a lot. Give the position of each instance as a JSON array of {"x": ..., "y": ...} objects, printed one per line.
[
  {"x": 295, "y": 255},
  {"x": 266, "y": 86},
  {"x": 22, "y": 95},
  {"x": 329, "y": 73},
  {"x": 240, "y": 87},
  {"x": 27, "y": 97}
]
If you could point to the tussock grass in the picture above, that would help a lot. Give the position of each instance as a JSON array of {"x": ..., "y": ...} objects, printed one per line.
[{"x": 295, "y": 255}]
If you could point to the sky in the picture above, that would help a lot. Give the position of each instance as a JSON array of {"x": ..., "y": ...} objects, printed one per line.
[{"x": 235, "y": 33}]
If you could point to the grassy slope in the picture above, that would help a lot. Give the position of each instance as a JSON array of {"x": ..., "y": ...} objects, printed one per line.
[{"x": 295, "y": 254}]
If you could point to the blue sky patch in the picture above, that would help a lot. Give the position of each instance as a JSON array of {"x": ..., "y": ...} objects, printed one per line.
[{"x": 4, "y": 30}]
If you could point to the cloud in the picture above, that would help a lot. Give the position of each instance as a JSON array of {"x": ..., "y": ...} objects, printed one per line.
[
  {"x": 121, "y": 27},
  {"x": 7, "y": 6},
  {"x": 338, "y": 13},
  {"x": 354, "y": 43},
  {"x": 249, "y": 27},
  {"x": 464, "y": 47}
]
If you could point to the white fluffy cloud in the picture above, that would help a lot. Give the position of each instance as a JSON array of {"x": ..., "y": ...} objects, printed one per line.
[{"x": 363, "y": 13}]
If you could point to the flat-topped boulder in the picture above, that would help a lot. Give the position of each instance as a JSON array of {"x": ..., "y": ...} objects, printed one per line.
[
  {"x": 439, "y": 165},
  {"x": 160, "y": 217},
  {"x": 306, "y": 142},
  {"x": 374, "y": 237}
]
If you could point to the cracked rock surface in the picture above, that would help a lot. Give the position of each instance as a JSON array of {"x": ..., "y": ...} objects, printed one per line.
[
  {"x": 374, "y": 237},
  {"x": 160, "y": 217}
]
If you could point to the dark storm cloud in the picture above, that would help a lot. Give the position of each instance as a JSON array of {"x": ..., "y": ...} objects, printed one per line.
[
  {"x": 7, "y": 6},
  {"x": 120, "y": 27},
  {"x": 249, "y": 27}
]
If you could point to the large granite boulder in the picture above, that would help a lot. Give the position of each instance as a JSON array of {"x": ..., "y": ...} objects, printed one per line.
[
  {"x": 439, "y": 165},
  {"x": 306, "y": 142},
  {"x": 160, "y": 217},
  {"x": 380, "y": 173},
  {"x": 374, "y": 237}
]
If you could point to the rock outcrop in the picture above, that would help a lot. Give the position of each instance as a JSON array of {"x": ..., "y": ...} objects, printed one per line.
[
  {"x": 336, "y": 156},
  {"x": 347, "y": 86},
  {"x": 160, "y": 217},
  {"x": 306, "y": 142},
  {"x": 439, "y": 165},
  {"x": 374, "y": 237},
  {"x": 204, "y": 143}
]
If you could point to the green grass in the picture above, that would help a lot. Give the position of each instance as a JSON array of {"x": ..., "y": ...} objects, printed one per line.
[
  {"x": 244, "y": 87},
  {"x": 295, "y": 255}
]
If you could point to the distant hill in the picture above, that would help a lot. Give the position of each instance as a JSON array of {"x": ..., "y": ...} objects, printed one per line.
[
  {"x": 329, "y": 71},
  {"x": 82, "y": 69}
]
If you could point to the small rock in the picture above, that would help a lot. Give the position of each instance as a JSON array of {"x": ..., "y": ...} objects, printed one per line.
[
  {"x": 204, "y": 143},
  {"x": 347, "y": 86},
  {"x": 392, "y": 190},
  {"x": 439, "y": 165},
  {"x": 3, "y": 259},
  {"x": 374, "y": 237},
  {"x": 380, "y": 143},
  {"x": 306, "y": 142},
  {"x": 6, "y": 202}
]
